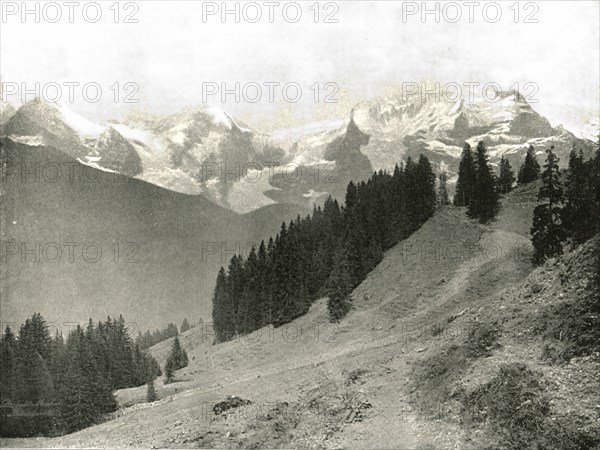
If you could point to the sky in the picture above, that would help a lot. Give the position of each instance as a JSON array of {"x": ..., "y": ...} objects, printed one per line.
[{"x": 178, "y": 51}]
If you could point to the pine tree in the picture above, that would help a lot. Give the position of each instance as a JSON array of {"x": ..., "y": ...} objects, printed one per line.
[
  {"x": 548, "y": 231},
  {"x": 443, "y": 198},
  {"x": 339, "y": 287},
  {"x": 169, "y": 371},
  {"x": 34, "y": 382},
  {"x": 185, "y": 325},
  {"x": 178, "y": 359},
  {"x": 8, "y": 347},
  {"x": 530, "y": 170},
  {"x": 235, "y": 292},
  {"x": 426, "y": 190},
  {"x": 595, "y": 182},
  {"x": 506, "y": 177},
  {"x": 580, "y": 213},
  {"x": 596, "y": 177},
  {"x": 151, "y": 392},
  {"x": 484, "y": 205},
  {"x": 251, "y": 313},
  {"x": 220, "y": 318},
  {"x": 465, "y": 186}
]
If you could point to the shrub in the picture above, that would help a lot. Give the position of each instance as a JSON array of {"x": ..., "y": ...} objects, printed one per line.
[{"x": 515, "y": 406}]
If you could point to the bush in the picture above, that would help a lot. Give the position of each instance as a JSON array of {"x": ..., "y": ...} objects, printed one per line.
[
  {"x": 515, "y": 406},
  {"x": 482, "y": 338},
  {"x": 230, "y": 402}
]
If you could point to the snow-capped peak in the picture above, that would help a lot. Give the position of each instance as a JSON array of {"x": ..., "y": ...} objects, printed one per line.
[
  {"x": 83, "y": 126},
  {"x": 220, "y": 116}
]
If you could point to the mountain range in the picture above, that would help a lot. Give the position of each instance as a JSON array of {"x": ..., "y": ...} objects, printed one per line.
[
  {"x": 205, "y": 151},
  {"x": 171, "y": 187}
]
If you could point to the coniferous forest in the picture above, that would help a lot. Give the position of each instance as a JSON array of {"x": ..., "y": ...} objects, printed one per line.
[
  {"x": 326, "y": 253},
  {"x": 50, "y": 385}
]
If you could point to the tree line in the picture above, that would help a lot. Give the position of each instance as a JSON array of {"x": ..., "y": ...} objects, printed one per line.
[
  {"x": 151, "y": 338},
  {"x": 329, "y": 252},
  {"x": 68, "y": 383}
]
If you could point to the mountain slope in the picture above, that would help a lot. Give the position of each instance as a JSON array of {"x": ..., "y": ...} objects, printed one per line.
[{"x": 160, "y": 250}]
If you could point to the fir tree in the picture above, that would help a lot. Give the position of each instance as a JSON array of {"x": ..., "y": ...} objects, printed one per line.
[
  {"x": 530, "y": 170},
  {"x": 185, "y": 325},
  {"x": 151, "y": 392},
  {"x": 506, "y": 177},
  {"x": 484, "y": 205},
  {"x": 443, "y": 198},
  {"x": 580, "y": 213},
  {"x": 548, "y": 231},
  {"x": 465, "y": 186},
  {"x": 169, "y": 371},
  {"x": 221, "y": 320},
  {"x": 33, "y": 383},
  {"x": 338, "y": 288},
  {"x": 7, "y": 365},
  {"x": 177, "y": 359},
  {"x": 425, "y": 190}
]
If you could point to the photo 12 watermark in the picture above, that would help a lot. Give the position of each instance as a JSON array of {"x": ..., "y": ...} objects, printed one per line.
[
  {"x": 51, "y": 172},
  {"x": 255, "y": 172},
  {"x": 270, "y": 12},
  {"x": 70, "y": 12},
  {"x": 269, "y": 91},
  {"x": 70, "y": 92},
  {"x": 70, "y": 252},
  {"x": 470, "y": 12}
]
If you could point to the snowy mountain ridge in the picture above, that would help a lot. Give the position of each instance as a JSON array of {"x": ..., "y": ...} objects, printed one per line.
[{"x": 203, "y": 150}]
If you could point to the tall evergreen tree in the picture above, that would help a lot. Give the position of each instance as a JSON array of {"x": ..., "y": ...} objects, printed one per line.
[
  {"x": 580, "y": 213},
  {"x": 185, "y": 325},
  {"x": 339, "y": 287},
  {"x": 7, "y": 365},
  {"x": 484, "y": 205},
  {"x": 250, "y": 311},
  {"x": 426, "y": 190},
  {"x": 221, "y": 311},
  {"x": 151, "y": 392},
  {"x": 169, "y": 371},
  {"x": 33, "y": 383},
  {"x": 530, "y": 170},
  {"x": 443, "y": 198},
  {"x": 506, "y": 177},
  {"x": 178, "y": 358},
  {"x": 235, "y": 290},
  {"x": 548, "y": 230},
  {"x": 465, "y": 186}
]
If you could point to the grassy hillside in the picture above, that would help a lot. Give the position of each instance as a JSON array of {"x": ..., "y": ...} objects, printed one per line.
[{"x": 414, "y": 365}]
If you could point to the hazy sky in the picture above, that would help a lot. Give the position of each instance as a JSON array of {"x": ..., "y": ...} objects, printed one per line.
[{"x": 172, "y": 51}]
